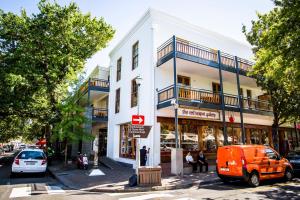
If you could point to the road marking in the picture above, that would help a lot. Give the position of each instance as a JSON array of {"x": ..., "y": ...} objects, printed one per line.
[
  {"x": 147, "y": 196},
  {"x": 20, "y": 192},
  {"x": 53, "y": 189},
  {"x": 186, "y": 198}
]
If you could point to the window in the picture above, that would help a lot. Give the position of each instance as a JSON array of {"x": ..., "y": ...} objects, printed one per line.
[
  {"x": 119, "y": 64},
  {"x": 216, "y": 87},
  {"x": 134, "y": 93},
  {"x": 184, "y": 80},
  {"x": 135, "y": 55},
  {"x": 241, "y": 92},
  {"x": 117, "y": 102},
  {"x": 184, "y": 92},
  {"x": 127, "y": 143},
  {"x": 271, "y": 154},
  {"x": 249, "y": 94}
]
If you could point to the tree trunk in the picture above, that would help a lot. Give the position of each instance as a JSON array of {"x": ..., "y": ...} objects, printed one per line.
[
  {"x": 275, "y": 127},
  {"x": 66, "y": 153}
]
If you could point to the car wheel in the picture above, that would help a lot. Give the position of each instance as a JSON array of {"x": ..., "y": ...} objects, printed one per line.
[
  {"x": 253, "y": 179},
  {"x": 288, "y": 175}
]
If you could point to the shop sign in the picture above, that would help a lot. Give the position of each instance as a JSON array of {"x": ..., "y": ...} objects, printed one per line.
[
  {"x": 139, "y": 131},
  {"x": 204, "y": 114}
]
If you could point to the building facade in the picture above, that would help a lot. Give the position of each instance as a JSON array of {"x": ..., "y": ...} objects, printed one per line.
[
  {"x": 93, "y": 95},
  {"x": 205, "y": 73}
]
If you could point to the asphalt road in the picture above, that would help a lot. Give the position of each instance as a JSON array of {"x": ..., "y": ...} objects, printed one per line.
[{"x": 32, "y": 186}]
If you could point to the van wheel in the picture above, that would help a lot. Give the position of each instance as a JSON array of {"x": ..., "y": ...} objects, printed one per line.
[
  {"x": 288, "y": 175},
  {"x": 253, "y": 179}
]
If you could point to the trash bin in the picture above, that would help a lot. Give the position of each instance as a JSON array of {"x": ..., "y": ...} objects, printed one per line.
[{"x": 149, "y": 176}]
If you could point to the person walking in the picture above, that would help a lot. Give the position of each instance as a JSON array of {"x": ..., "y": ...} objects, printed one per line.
[
  {"x": 202, "y": 161},
  {"x": 143, "y": 156}
]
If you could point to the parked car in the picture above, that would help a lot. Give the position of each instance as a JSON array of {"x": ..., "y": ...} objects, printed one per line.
[
  {"x": 6, "y": 148},
  {"x": 251, "y": 163},
  {"x": 30, "y": 161},
  {"x": 294, "y": 158}
]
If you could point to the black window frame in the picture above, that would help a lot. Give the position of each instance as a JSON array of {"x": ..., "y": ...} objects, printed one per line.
[
  {"x": 135, "y": 55},
  {"x": 134, "y": 93},
  {"x": 117, "y": 100},
  {"x": 119, "y": 68}
]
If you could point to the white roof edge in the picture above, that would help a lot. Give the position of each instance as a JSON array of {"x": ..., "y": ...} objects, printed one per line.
[
  {"x": 196, "y": 27},
  {"x": 155, "y": 13},
  {"x": 132, "y": 30}
]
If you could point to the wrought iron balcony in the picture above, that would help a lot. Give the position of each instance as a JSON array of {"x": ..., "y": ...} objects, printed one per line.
[
  {"x": 209, "y": 99},
  {"x": 100, "y": 114},
  {"x": 200, "y": 54}
]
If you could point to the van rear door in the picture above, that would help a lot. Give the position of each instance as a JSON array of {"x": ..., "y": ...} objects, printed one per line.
[{"x": 229, "y": 161}]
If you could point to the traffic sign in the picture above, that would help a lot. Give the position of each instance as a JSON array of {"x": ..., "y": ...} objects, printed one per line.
[
  {"x": 139, "y": 131},
  {"x": 137, "y": 120}
]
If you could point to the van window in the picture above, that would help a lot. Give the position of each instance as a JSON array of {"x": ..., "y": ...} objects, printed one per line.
[{"x": 271, "y": 154}]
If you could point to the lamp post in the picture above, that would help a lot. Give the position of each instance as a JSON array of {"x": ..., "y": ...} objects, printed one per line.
[
  {"x": 175, "y": 106},
  {"x": 138, "y": 81}
]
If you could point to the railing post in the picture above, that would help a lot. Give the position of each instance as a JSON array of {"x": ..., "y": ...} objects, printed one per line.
[
  {"x": 239, "y": 98},
  {"x": 175, "y": 90},
  {"x": 222, "y": 99}
]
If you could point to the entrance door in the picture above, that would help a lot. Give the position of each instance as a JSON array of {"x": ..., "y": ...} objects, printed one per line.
[
  {"x": 184, "y": 82},
  {"x": 102, "y": 143}
]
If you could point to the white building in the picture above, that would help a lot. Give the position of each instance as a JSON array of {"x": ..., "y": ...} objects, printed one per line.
[{"x": 147, "y": 51}]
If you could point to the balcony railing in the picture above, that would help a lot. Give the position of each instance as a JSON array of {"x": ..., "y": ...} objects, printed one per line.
[
  {"x": 199, "y": 51},
  {"x": 100, "y": 113},
  {"x": 210, "y": 97},
  {"x": 94, "y": 82}
]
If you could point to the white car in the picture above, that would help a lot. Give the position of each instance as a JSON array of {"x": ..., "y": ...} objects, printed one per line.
[{"x": 30, "y": 161}]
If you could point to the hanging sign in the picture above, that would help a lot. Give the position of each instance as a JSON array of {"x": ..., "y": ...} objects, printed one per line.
[
  {"x": 139, "y": 131},
  {"x": 204, "y": 114}
]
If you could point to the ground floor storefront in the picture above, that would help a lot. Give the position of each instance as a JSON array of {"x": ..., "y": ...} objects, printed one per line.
[{"x": 195, "y": 135}]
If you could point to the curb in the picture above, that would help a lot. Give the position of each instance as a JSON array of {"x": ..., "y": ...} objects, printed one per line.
[{"x": 137, "y": 189}]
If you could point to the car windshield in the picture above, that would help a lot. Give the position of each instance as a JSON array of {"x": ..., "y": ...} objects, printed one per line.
[{"x": 31, "y": 155}]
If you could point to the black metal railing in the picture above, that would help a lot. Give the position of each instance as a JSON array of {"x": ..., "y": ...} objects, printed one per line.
[
  {"x": 100, "y": 113},
  {"x": 207, "y": 96},
  {"x": 209, "y": 54}
]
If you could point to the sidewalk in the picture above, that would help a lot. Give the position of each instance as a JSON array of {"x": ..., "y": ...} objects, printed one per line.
[{"x": 116, "y": 180}]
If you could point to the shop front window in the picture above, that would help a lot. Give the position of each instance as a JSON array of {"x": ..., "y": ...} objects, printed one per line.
[
  {"x": 264, "y": 137},
  {"x": 189, "y": 138},
  {"x": 167, "y": 136},
  {"x": 127, "y": 143},
  {"x": 234, "y": 135},
  {"x": 209, "y": 139},
  {"x": 254, "y": 136}
]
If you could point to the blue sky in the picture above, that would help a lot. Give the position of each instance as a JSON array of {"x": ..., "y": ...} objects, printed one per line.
[{"x": 222, "y": 16}]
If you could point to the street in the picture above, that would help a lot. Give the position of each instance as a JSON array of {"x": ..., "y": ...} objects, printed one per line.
[{"x": 32, "y": 186}]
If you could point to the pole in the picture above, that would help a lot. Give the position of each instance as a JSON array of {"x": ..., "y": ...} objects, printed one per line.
[
  {"x": 138, "y": 138},
  {"x": 239, "y": 98},
  {"x": 175, "y": 91},
  {"x": 222, "y": 99}
]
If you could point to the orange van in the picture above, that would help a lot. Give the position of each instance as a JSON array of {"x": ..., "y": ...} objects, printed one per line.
[{"x": 251, "y": 163}]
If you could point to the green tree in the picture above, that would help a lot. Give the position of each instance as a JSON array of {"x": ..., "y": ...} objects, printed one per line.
[
  {"x": 41, "y": 55},
  {"x": 71, "y": 127},
  {"x": 275, "y": 38}
]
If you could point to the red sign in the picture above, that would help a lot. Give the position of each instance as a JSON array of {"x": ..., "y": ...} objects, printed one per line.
[
  {"x": 137, "y": 120},
  {"x": 298, "y": 126},
  {"x": 231, "y": 119}
]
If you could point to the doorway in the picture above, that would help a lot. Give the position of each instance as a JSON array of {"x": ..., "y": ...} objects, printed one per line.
[{"x": 102, "y": 143}]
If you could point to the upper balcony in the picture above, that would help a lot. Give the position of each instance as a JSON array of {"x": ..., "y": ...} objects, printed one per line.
[
  {"x": 95, "y": 84},
  {"x": 196, "y": 53},
  {"x": 100, "y": 114},
  {"x": 195, "y": 97}
]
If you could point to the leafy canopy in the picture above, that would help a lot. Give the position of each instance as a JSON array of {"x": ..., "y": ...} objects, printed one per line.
[
  {"x": 275, "y": 37},
  {"x": 41, "y": 55}
]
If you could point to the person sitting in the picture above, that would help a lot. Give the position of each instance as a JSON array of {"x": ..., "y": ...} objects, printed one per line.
[
  {"x": 202, "y": 161},
  {"x": 189, "y": 159}
]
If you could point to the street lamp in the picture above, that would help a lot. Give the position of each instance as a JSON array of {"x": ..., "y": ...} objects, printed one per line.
[{"x": 138, "y": 81}]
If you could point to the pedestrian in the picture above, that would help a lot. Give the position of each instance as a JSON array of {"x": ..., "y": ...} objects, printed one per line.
[
  {"x": 190, "y": 160},
  {"x": 143, "y": 156},
  {"x": 202, "y": 161}
]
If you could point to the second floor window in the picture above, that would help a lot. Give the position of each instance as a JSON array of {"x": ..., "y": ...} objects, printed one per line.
[
  {"x": 135, "y": 55},
  {"x": 216, "y": 87},
  {"x": 117, "y": 102},
  {"x": 119, "y": 65},
  {"x": 134, "y": 93}
]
